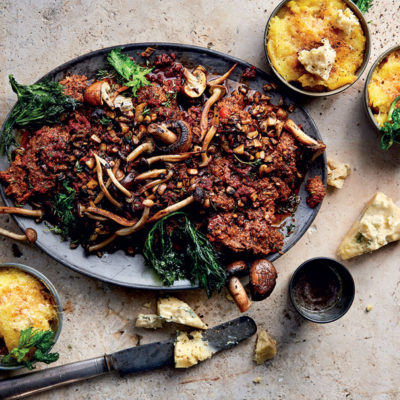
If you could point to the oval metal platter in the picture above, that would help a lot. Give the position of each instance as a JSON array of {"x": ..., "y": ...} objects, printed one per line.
[{"x": 119, "y": 268}]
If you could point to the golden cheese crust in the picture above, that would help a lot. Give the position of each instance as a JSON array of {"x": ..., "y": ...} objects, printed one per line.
[
  {"x": 384, "y": 86},
  {"x": 24, "y": 302},
  {"x": 301, "y": 25}
]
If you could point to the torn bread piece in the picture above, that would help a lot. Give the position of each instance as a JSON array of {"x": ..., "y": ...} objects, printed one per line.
[
  {"x": 149, "y": 321},
  {"x": 265, "y": 348},
  {"x": 190, "y": 349},
  {"x": 378, "y": 225},
  {"x": 175, "y": 310},
  {"x": 337, "y": 173}
]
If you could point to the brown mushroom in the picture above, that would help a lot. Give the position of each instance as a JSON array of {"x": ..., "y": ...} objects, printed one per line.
[
  {"x": 206, "y": 142},
  {"x": 169, "y": 157},
  {"x": 316, "y": 146},
  {"x": 154, "y": 173},
  {"x": 179, "y": 139},
  {"x": 175, "y": 207},
  {"x": 147, "y": 147},
  {"x": 142, "y": 221},
  {"x": 21, "y": 211},
  {"x": 262, "y": 279},
  {"x": 195, "y": 82},
  {"x": 29, "y": 236},
  {"x": 239, "y": 294},
  {"x": 156, "y": 182},
  {"x": 98, "y": 93},
  {"x": 92, "y": 209},
  {"x": 217, "y": 92},
  {"x": 237, "y": 268},
  {"x": 102, "y": 244}
]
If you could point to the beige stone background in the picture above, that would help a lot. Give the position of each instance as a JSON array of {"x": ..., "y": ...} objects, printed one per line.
[{"x": 354, "y": 358}]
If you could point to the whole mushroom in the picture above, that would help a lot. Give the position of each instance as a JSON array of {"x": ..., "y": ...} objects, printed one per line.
[
  {"x": 195, "y": 82},
  {"x": 262, "y": 279}
]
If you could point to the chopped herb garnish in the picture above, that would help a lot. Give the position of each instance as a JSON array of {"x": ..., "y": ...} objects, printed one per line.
[
  {"x": 32, "y": 340},
  {"x": 255, "y": 163},
  {"x": 62, "y": 208},
  {"x": 105, "y": 121}
]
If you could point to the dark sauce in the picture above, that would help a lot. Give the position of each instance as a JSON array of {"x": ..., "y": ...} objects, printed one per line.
[{"x": 317, "y": 288}]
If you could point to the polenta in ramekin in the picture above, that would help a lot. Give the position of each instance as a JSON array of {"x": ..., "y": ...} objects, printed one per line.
[
  {"x": 317, "y": 45},
  {"x": 384, "y": 85}
]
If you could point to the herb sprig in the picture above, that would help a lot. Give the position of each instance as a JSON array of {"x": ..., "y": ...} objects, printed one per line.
[
  {"x": 31, "y": 341},
  {"x": 364, "y": 5},
  {"x": 40, "y": 103},
  {"x": 133, "y": 74},
  {"x": 391, "y": 128},
  {"x": 183, "y": 252}
]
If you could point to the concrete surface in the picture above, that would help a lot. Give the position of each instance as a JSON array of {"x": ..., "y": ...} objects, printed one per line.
[{"x": 354, "y": 358}]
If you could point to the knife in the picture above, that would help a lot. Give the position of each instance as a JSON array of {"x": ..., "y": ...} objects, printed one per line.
[{"x": 135, "y": 359}]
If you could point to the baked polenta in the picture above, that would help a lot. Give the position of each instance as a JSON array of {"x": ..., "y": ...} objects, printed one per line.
[
  {"x": 384, "y": 86},
  {"x": 319, "y": 44},
  {"x": 24, "y": 303}
]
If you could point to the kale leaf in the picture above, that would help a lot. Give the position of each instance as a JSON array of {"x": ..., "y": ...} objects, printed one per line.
[
  {"x": 40, "y": 103},
  {"x": 130, "y": 71},
  {"x": 31, "y": 341}
]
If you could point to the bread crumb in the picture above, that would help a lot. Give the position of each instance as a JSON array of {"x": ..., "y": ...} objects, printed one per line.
[
  {"x": 147, "y": 305},
  {"x": 368, "y": 308},
  {"x": 265, "y": 348},
  {"x": 257, "y": 380}
]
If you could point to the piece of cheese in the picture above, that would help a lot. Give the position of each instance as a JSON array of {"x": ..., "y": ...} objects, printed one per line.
[
  {"x": 347, "y": 21},
  {"x": 149, "y": 321},
  {"x": 175, "y": 310},
  {"x": 190, "y": 349},
  {"x": 24, "y": 303},
  {"x": 378, "y": 225},
  {"x": 265, "y": 348},
  {"x": 337, "y": 173},
  {"x": 319, "y": 61}
]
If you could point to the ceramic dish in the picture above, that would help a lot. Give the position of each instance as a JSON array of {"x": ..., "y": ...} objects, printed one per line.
[
  {"x": 50, "y": 287},
  {"x": 120, "y": 268},
  {"x": 368, "y": 80},
  {"x": 298, "y": 89}
]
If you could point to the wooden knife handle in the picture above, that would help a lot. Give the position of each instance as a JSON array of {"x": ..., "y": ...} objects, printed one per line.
[{"x": 35, "y": 382}]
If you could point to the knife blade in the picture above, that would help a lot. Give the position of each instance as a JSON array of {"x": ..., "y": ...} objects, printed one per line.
[{"x": 135, "y": 359}]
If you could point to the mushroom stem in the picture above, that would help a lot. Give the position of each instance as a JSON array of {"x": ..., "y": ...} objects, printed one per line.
[
  {"x": 140, "y": 224},
  {"x": 171, "y": 209},
  {"x": 113, "y": 178},
  {"x": 108, "y": 183},
  {"x": 171, "y": 157},
  {"x": 239, "y": 294},
  {"x": 154, "y": 173},
  {"x": 144, "y": 147},
  {"x": 101, "y": 183},
  {"x": 29, "y": 236},
  {"x": 162, "y": 132},
  {"x": 156, "y": 182},
  {"x": 108, "y": 214},
  {"x": 21, "y": 211},
  {"x": 204, "y": 157},
  {"x": 102, "y": 244},
  {"x": 95, "y": 217},
  {"x": 216, "y": 93},
  {"x": 221, "y": 79},
  {"x": 302, "y": 137}
]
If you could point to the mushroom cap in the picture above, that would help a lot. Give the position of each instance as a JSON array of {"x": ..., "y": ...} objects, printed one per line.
[
  {"x": 196, "y": 82},
  {"x": 237, "y": 268},
  {"x": 93, "y": 93},
  {"x": 262, "y": 279},
  {"x": 31, "y": 235}
]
